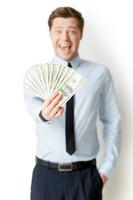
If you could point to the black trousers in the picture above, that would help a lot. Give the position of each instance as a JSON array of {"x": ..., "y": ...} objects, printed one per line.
[{"x": 50, "y": 184}]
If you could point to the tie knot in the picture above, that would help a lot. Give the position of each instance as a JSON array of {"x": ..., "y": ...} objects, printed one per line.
[{"x": 69, "y": 65}]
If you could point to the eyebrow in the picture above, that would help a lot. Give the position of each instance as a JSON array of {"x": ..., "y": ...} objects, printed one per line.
[{"x": 73, "y": 27}]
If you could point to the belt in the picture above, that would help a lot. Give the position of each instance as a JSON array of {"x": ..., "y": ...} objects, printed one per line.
[{"x": 67, "y": 166}]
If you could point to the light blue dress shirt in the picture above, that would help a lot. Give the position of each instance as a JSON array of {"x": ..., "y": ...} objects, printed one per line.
[{"x": 95, "y": 98}]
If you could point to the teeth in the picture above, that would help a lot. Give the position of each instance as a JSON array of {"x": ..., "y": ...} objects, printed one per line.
[{"x": 65, "y": 46}]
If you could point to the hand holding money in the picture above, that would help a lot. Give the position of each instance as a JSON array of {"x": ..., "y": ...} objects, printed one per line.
[
  {"x": 44, "y": 79},
  {"x": 51, "y": 108}
]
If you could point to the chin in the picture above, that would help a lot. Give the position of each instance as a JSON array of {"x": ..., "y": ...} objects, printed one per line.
[{"x": 66, "y": 57}]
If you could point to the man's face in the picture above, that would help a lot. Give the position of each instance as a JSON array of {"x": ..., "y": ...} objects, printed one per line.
[{"x": 65, "y": 35}]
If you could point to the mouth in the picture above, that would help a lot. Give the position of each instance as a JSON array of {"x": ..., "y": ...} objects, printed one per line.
[{"x": 65, "y": 47}]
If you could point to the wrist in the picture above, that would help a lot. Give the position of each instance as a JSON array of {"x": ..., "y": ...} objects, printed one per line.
[{"x": 42, "y": 117}]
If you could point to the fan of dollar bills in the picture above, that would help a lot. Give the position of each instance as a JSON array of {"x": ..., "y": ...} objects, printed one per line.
[{"x": 43, "y": 79}]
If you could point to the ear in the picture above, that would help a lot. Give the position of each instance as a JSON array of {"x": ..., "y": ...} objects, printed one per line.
[
  {"x": 50, "y": 33},
  {"x": 81, "y": 35}
]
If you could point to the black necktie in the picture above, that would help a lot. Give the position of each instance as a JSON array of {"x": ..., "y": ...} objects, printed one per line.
[{"x": 70, "y": 140}]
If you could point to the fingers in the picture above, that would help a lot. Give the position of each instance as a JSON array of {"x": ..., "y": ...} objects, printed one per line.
[
  {"x": 50, "y": 99},
  {"x": 54, "y": 103},
  {"x": 51, "y": 107},
  {"x": 57, "y": 112}
]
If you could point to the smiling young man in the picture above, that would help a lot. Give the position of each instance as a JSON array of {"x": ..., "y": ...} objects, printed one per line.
[
  {"x": 71, "y": 173},
  {"x": 65, "y": 34}
]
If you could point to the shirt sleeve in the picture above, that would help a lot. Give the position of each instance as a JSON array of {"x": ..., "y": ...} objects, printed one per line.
[
  {"x": 111, "y": 119},
  {"x": 34, "y": 107}
]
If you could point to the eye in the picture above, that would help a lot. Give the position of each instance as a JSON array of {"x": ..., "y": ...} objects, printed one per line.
[
  {"x": 73, "y": 32},
  {"x": 58, "y": 31}
]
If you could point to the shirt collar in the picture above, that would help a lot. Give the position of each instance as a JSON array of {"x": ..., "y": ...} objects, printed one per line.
[{"x": 75, "y": 62}]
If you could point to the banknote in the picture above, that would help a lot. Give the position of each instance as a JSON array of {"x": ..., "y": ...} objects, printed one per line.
[
  {"x": 43, "y": 79},
  {"x": 70, "y": 87}
]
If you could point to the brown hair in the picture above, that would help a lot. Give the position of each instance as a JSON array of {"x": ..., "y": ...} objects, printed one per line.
[{"x": 66, "y": 12}]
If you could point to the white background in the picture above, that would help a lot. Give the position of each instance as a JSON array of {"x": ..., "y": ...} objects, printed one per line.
[{"x": 24, "y": 41}]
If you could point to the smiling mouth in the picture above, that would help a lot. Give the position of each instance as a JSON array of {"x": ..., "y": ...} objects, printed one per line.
[{"x": 64, "y": 47}]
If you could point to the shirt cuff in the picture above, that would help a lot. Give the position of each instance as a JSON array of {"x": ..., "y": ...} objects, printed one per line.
[
  {"x": 107, "y": 169},
  {"x": 42, "y": 118}
]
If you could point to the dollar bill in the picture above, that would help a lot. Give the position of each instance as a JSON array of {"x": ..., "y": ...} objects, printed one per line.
[
  {"x": 42, "y": 80},
  {"x": 70, "y": 87}
]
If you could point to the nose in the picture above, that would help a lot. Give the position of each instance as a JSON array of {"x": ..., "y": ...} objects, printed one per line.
[{"x": 65, "y": 35}]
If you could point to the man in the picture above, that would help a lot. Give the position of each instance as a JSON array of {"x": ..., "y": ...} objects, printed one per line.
[{"x": 70, "y": 172}]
